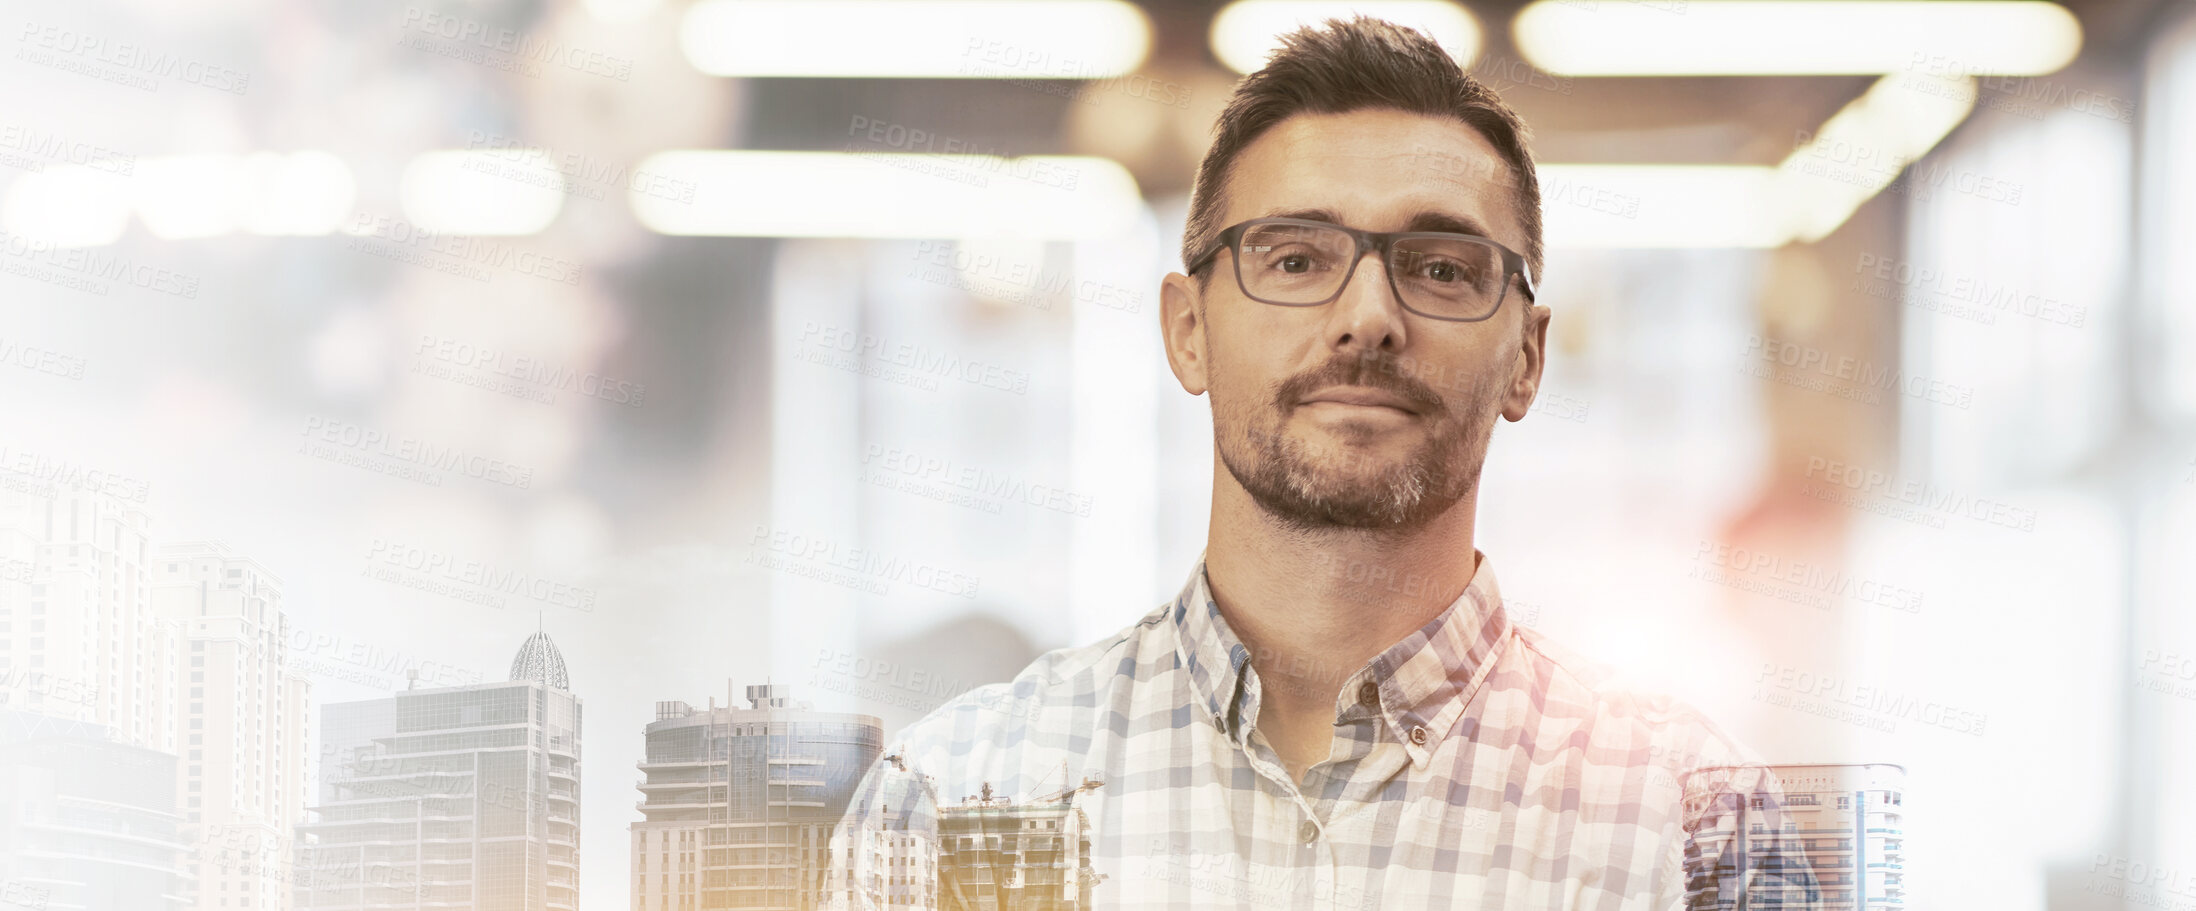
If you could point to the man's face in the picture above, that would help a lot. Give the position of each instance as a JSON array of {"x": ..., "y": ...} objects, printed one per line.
[{"x": 1358, "y": 413}]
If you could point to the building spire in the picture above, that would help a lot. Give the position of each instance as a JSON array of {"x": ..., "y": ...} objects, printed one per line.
[{"x": 539, "y": 660}]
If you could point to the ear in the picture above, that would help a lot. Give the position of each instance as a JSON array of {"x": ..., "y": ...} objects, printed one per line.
[
  {"x": 1182, "y": 329},
  {"x": 1525, "y": 372}
]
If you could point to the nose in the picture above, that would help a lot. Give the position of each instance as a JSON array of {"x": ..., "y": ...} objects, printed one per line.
[{"x": 1367, "y": 316}]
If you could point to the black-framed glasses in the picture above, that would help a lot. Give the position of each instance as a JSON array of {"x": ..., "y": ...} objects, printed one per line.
[{"x": 1294, "y": 262}]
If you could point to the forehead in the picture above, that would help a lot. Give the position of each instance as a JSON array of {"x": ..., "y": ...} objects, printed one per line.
[{"x": 1376, "y": 169}]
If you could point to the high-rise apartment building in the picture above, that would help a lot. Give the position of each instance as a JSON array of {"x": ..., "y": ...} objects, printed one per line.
[
  {"x": 78, "y": 635},
  {"x": 462, "y": 797},
  {"x": 175, "y": 648},
  {"x": 885, "y": 860},
  {"x": 241, "y": 723},
  {"x": 740, "y": 802}
]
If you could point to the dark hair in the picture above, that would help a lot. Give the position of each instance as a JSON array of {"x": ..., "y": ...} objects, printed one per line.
[{"x": 1350, "y": 65}]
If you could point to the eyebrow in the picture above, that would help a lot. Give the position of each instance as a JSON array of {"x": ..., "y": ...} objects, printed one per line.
[{"x": 1423, "y": 221}]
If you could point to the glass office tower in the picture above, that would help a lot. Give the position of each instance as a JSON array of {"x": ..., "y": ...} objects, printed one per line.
[
  {"x": 1814, "y": 837},
  {"x": 87, "y": 819},
  {"x": 461, "y": 797}
]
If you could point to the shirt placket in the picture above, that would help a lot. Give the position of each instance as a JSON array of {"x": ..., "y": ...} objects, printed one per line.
[
  {"x": 1341, "y": 880},
  {"x": 1304, "y": 844},
  {"x": 1354, "y": 811},
  {"x": 1310, "y": 848},
  {"x": 1322, "y": 823}
]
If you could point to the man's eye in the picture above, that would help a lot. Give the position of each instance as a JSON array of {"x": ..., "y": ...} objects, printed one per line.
[
  {"x": 1294, "y": 262},
  {"x": 1445, "y": 271}
]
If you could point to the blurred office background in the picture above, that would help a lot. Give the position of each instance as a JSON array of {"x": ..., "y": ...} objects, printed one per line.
[{"x": 815, "y": 343}]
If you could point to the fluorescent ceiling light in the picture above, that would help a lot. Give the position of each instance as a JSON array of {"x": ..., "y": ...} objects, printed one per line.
[
  {"x": 300, "y": 193},
  {"x": 879, "y": 195},
  {"x": 968, "y": 39},
  {"x": 1862, "y": 148},
  {"x": 68, "y": 205},
  {"x": 1246, "y": 32},
  {"x": 1856, "y": 155},
  {"x": 1797, "y": 37},
  {"x": 482, "y": 191},
  {"x": 179, "y": 197},
  {"x": 305, "y": 192},
  {"x": 189, "y": 196}
]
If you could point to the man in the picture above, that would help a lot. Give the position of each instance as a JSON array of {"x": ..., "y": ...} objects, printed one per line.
[{"x": 1336, "y": 712}]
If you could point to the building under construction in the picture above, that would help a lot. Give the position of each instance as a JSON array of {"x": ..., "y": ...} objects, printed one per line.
[
  {"x": 985, "y": 853},
  {"x": 740, "y": 802},
  {"x": 996, "y": 855}
]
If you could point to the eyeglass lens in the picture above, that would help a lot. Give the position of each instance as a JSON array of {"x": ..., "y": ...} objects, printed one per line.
[{"x": 1457, "y": 278}]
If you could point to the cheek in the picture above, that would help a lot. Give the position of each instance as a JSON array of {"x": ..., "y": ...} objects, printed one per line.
[
  {"x": 1459, "y": 380},
  {"x": 1233, "y": 399},
  {"x": 1240, "y": 375}
]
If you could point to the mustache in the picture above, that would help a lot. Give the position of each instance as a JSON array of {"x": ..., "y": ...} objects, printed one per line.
[{"x": 1377, "y": 370}]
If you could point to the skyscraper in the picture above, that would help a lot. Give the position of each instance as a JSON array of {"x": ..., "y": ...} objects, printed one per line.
[
  {"x": 740, "y": 802},
  {"x": 78, "y": 636},
  {"x": 242, "y": 723},
  {"x": 175, "y": 648},
  {"x": 454, "y": 797}
]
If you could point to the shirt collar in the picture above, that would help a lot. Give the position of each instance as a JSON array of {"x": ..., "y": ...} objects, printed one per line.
[
  {"x": 1210, "y": 651},
  {"x": 1425, "y": 680}
]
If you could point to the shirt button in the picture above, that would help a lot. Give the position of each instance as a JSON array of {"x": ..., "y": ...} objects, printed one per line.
[
  {"x": 1369, "y": 694},
  {"x": 1418, "y": 735},
  {"x": 1308, "y": 832}
]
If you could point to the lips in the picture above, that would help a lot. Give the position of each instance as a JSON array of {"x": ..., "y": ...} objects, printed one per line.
[{"x": 1361, "y": 395}]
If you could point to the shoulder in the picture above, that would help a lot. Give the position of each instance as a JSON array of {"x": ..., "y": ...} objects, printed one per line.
[
  {"x": 1617, "y": 717},
  {"x": 1060, "y": 691}
]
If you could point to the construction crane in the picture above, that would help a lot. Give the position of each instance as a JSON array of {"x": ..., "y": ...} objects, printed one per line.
[{"x": 1066, "y": 794}]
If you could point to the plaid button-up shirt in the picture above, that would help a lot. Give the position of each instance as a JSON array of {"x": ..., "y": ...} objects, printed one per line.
[{"x": 1473, "y": 765}]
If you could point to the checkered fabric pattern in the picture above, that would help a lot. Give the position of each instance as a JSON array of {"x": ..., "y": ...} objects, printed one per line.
[{"x": 1474, "y": 765}]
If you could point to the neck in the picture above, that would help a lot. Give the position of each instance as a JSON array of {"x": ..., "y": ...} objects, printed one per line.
[{"x": 1313, "y": 607}]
